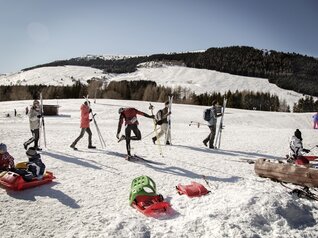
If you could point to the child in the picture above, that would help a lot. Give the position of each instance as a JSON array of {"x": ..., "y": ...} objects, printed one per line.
[
  {"x": 6, "y": 160},
  {"x": 35, "y": 164},
  {"x": 296, "y": 149}
]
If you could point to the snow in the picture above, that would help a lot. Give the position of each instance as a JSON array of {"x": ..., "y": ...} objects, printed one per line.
[
  {"x": 196, "y": 80},
  {"x": 89, "y": 197}
]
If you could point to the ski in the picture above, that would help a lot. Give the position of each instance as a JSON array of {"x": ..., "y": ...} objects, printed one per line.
[
  {"x": 168, "y": 134},
  {"x": 198, "y": 124},
  {"x": 221, "y": 126},
  {"x": 42, "y": 120},
  {"x": 303, "y": 192}
]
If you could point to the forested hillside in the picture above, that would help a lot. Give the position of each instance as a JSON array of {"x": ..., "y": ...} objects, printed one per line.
[{"x": 287, "y": 70}]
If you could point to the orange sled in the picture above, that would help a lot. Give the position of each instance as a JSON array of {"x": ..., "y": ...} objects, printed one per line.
[{"x": 15, "y": 181}]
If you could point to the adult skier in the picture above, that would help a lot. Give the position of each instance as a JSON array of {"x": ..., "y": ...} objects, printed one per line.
[
  {"x": 85, "y": 110},
  {"x": 162, "y": 120},
  {"x": 296, "y": 149},
  {"x": 212, "y": 125},
  {"x": 129, "y": 115},
  {"x": 34, "y": 119}
]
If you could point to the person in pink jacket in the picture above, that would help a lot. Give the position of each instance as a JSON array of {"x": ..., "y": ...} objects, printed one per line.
[{"x": 85, "y": 110}]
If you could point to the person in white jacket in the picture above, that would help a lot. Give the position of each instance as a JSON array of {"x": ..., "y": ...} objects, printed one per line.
[
  {"x": 34, "y": 119},
  {"x": 296, "y": 149}
]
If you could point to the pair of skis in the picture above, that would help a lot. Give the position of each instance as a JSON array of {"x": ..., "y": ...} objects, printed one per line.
[
  {"x": 217, "y": 144},
  {"x": 101, "y": 139}
]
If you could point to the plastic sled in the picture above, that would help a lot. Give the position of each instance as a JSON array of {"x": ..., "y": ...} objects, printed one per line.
[
  {"x": 153, "y": 206},
  {"x": 310, "y": 157},
  {"x": 15, "y": 181},
  {"x": 193, "y": 190}
]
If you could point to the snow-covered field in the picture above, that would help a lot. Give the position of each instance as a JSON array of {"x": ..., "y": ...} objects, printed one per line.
[
  {"x": 89, "y": 197},
  {"x": 196, "y": 80}
]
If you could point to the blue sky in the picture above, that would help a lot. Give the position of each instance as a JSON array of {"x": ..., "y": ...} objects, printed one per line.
[{"x": 40, "y": 31}]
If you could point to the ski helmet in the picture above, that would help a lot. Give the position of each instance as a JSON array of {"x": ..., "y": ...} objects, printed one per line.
[
  {"x": 120, "y": 110},
  {"x": 31, "y": 152},
  {"x": 298, "y": 134},
  {"x": 3, "y": 148}
]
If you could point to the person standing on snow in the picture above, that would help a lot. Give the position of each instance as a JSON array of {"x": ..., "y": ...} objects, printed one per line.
[
  {"x": 315, "y": 117},
  {"x": 34, "y": 119},
  {"x": 162, "y": 120},
  {"x": 212, "y": 126},
  {"x": 296, "y": 149},
  {"x": 85, "y": 110},
  {"x": 6, "y": 160},
  {"x": 131, "y": 123}
]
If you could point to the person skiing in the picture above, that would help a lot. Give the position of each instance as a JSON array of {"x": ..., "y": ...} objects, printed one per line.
[
  {"x": 129, "y": 115},
  {"x": 161, "y": 119},
  {"x": 34, "y": 119},
  {"x": 85, "y": 110},
  {"x": 212, "y": 125},
  {"x": 6, "y": 160},
  {"x": 315, "y": 117},
  {"x": 296, "y": 150}
]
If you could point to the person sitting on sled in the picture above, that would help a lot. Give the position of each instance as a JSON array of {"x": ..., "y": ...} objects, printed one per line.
[
  {"x": 130, "y": 116},
  {"x": 296, "y": 150},
  {"x": 6, "y": 160},
  {"x": 35, "y": 164}
]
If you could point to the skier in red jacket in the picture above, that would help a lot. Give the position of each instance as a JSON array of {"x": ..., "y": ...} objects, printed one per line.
[
  {"x": 131, "y": 123},
  {"x": 85, "y": 110}
]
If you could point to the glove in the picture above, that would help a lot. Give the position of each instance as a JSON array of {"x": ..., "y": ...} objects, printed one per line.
[
  {"x": 39, "y": 116},
  {"x": 90, "y": 119},
  {"x": 152, "y": 116},
  {"x": 90, "y": 110},
  {"x": 306, "y": 150},
  {"x": 117, "y": 135}
]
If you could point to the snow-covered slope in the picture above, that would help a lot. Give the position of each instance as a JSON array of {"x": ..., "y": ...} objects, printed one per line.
[
  {"x": 89, "y": 197},
  {"x": 196, "y": 80}
]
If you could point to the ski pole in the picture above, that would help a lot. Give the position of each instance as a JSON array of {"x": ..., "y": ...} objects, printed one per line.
[{"x": 150, "y": 133}]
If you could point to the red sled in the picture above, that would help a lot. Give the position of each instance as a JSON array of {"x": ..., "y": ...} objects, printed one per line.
[
  {"x": 310, "y": 157},
  {"x": 193, "y": 190},
  {"x": 15, "y": 181},
  {"x": 152, "y": 206}
]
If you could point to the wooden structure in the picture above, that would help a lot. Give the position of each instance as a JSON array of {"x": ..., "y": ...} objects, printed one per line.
[
  {"x": 287, "y": 172},
  {"x": 51, "y": 110}
]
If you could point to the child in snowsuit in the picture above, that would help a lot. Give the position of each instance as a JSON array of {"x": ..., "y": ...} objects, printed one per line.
[
  {"x": 129, "y": 115},
  {"x": 315, "y": 117},
  {"x": 296, "y": 150},
  {"x": 35, "y": 164},
  {"x": 162, "y": 120},
  {"x": 212, "y": 126},
  {"x": 85, "y": 110},
  {"x": 6, "y": 160},
  {"x": 34, "y": 119}
]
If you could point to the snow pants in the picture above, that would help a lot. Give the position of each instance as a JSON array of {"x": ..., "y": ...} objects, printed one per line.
[
  {"x": 211, "y": 136},
  {"x": 128, "y": 136},
  {"x": 315, "y": 124},
  {"x": 89, "y": 132},
  {"x": 35, "y": 138},
  {"x": 164, "y": 130}
]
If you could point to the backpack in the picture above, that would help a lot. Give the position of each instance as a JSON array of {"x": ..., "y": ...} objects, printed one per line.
[{"x": 207, "y": 114}]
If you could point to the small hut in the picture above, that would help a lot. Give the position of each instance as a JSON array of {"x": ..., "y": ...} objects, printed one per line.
[{"x": 51, "y": 110}]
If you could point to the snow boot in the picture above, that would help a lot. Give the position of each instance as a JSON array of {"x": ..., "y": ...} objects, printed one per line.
[
  {"x": 154, "y": 140},
  {"x": 73, "y": 147},
  {"x": 91, "y": 147},
  {"x": 123, "y": 137}
]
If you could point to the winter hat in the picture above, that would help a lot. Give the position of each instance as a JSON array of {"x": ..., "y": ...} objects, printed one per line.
[
  {"x": 298, "y": 134},
  {"x": 120, "y": 110},
  {"x": 166, "y": 103},
  {"x": 31, "y": 152},
  {"x": 3, "y": 148}
]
